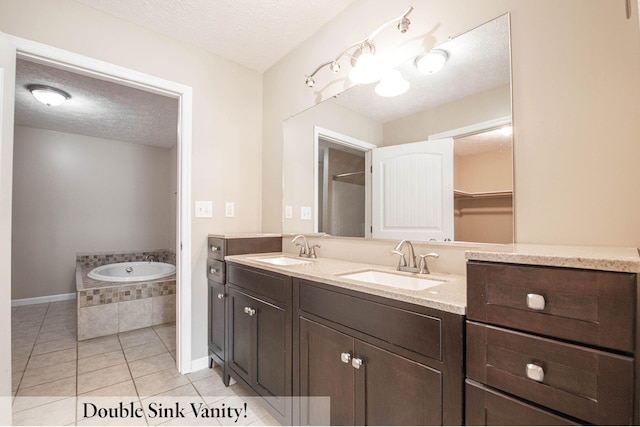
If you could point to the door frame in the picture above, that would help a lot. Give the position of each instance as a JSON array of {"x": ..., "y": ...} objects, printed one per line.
[{"x": 60, "y": 58}]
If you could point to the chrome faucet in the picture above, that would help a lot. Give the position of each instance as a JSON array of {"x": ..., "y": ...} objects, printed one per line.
[
  {"x": 306, "y": 251},
  {"x": 151, "y": 258},
  {"x": 422, "y": 268}
]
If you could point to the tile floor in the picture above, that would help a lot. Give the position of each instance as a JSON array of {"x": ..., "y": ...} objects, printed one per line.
[{"x": 124, "y": 379}]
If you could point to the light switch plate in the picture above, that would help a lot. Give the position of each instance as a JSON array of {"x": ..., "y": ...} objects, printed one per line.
[
  {"x": 305, "y": 212},
  {"x": 288, "y": 212},
  {"x": 204, "y": 209},
  {"x": 229, "y": 209}
]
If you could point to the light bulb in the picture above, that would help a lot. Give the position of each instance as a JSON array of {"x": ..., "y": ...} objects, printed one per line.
[
  {"x": 367, "y": 69},
  {"x": 431, "y": 62},
  {"x": 393, "y": 84}
]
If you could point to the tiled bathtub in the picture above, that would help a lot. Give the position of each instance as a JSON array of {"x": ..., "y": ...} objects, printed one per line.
[{"x": 106, "y": 308}]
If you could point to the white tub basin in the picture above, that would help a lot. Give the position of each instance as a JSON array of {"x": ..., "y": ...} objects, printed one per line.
[
  {"x": 132, "y": 271},
  {"x": 414, "y": 283},
  {"x": 282, "y": 260}
]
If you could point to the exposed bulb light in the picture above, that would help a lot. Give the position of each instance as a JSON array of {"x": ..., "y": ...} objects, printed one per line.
[
  {"x": 310, "y": 82},
  {"x": 507, "y": 130},
  {"x": 432, "y": 61},
  {"x": 49, "y": 96},
  {"x": 367, "y": 69},
  {"x": 393, "y": 84},
  {"x": 363, "y": 72}
]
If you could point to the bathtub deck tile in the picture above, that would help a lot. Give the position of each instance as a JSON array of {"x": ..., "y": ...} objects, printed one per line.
[{"x": 97, "y": 321}]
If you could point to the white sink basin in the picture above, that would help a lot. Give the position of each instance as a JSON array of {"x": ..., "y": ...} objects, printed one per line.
[
  {"x": 394, "y": 280},
  {"x": 282, "y": 260}
]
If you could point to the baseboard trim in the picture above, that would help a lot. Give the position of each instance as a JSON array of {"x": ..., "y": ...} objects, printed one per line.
[
  {"x": 42, "y": 300},
  {"x": 198, "y": 364}
]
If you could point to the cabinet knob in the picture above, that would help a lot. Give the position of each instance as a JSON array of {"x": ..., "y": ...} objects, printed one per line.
[
  {"x": 213, "y": 270},
  {"x": 535, "y": 302},
  {"x": 220, "y": 296},
  {"x": 345, "y": 357},
  {"x": 250, "y": 311},
  {"x": 215, "y": 248},
  {"x": 535, "y": 372},
  {"x": 356, "y": 362}
]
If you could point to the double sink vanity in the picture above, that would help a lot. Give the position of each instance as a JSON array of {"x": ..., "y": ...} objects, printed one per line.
[{"x": 529, "y": 336}]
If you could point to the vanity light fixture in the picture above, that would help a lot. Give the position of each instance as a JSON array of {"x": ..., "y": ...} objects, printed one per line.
[
  {"x": 393, "y": 84},
  {"x": 432, "y": 61},
  {"x": 366, "y": 66},
  {"x": 49, "y": 96}
]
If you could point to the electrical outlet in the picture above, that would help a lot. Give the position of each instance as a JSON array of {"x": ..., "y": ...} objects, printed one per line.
[
  {"x": 288, "y": 212},
  {"x": 204, "y": 209},
  {"x": 305, "y": 212},
  {"x": 229, "y": 210}
]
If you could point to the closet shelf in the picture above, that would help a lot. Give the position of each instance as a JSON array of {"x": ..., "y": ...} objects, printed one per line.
[{"x": 482, "y": 194}]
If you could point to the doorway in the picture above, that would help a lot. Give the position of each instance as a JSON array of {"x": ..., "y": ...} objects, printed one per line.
[{"x": 79, "y": 64}]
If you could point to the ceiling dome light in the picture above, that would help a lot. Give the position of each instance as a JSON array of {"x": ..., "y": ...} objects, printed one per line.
[
  {"x": 48, "y": 95},
  {"x": 431, "y": 62},
  {"x": 393, "y": 84}
]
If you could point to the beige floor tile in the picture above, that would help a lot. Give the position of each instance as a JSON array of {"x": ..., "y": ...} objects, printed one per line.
[
  {"x": 204, "y": 373},
  {"x": 53, "y": 358},
  {"x": 56, "y": 335},
  {"x": 159, "y": 382},
  {"x": 45, "y": 374},
  {"x": 62, "y": 412},
  {"x": 19, "y": 364},
  {"x": 125, "y": 388},
  {"x": 103, "y": 378},
  {"x": 212, "y": 389},
  {"x": 144, "y": 351},
  {"x": 239, "y": 411},
  {"x": 267, "y": 420},
  {"x": 51, "y": 346},
  {"x": 138, "y": 337},
  {"x": 151, "y": 364},
  {"x": 45, "y": 393},
  {"x": 167, "y": 330},
  {"x": 16, "y": 377},
  {"x": 97, "y": 346},
  {"x": 100, "y": 361}
]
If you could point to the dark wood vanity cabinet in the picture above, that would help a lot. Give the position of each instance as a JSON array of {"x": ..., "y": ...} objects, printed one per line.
[
  {"x": 217, "y": 249},
  {"x": 381, "y": 362},
  {"x": 259, "y": 338},
  {"x": 549, "y": 345}
]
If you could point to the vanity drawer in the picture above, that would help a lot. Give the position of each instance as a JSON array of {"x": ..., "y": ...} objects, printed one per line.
[
  {"x": 587, "y": 306},
  {"x": 272, "y": 286},
  {"x": 215, "y": 248},
  {"x": 488, "y": 407},
  {"x": 413, "y": 331},
  {"x": 584, "y": 383},
  {"x": 215, "y": 270}
]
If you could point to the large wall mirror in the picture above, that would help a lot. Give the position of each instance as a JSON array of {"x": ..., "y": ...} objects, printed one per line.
[{"x": 434, "y": 163}]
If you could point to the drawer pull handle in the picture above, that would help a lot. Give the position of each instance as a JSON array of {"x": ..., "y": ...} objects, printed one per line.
[
  {"x": 535, "y": 302},
  {"x": 345, "y": 357},
  {"x": 220, "y": 296},
  {"x": 250, "y": 311},
  {"x": 215, "y": 248},
  {"x": 535, "y": 372},
  {"x": 213, "y": 270},
  {"x": 356, "y": 362}
]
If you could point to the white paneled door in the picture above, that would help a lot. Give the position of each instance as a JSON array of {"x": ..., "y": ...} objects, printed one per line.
[{"x": 412, "y": 191}]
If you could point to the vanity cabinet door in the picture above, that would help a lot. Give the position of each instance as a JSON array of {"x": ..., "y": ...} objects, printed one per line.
[
  {"x": 216, "y": 296},
  {"x": 241, "y": 332},
  {"x": 393, "y": 390},
  {"x": 325, "y": 370}
]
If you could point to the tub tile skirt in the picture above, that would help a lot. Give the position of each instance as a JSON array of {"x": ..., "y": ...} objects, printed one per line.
[{"x": 109, "y": 308}]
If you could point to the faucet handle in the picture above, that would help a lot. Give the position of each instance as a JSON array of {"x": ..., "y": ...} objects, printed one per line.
[
  {"x": 403, "y": 261},
  {"x": 303, "y": 252},
  {"x": 424, "y": 269},
  {"x": 312, "y": 251}
]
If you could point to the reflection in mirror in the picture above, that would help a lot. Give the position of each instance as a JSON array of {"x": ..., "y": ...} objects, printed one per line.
[{"x": 469, "y": 100}]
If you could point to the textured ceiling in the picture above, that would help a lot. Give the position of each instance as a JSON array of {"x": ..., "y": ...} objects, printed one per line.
[
  {"x": 97, "y": 108},
  {"x": 254, "y": 33}
]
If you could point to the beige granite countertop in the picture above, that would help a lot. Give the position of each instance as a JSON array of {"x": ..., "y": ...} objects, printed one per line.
[
  {"x": 244, "y": 235},
  {"x": 451, "y": 296},
  {"x": 626, "y": 260}
]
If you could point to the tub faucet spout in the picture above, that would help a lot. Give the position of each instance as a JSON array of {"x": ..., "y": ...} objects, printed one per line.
[{"x": 151, "y": 258}]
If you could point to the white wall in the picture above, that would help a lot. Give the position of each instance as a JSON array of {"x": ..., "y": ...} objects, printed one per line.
[
  {"x": 575, "y": 106},
  {"x": 227, "y": 120},
  {"x": 73, "y": 193}
]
